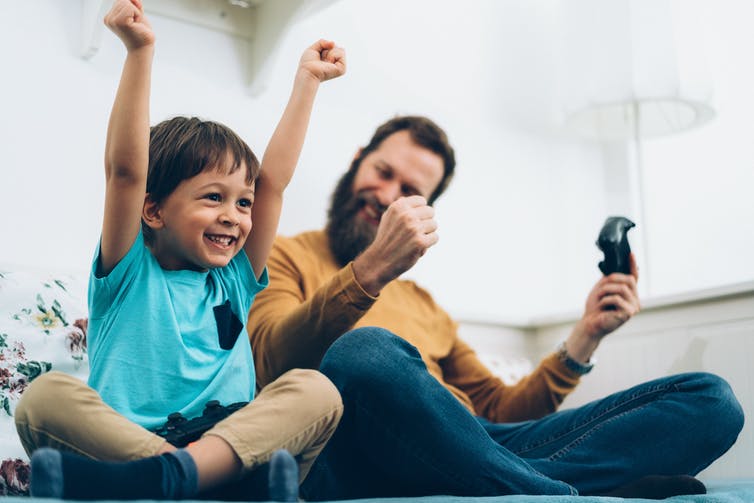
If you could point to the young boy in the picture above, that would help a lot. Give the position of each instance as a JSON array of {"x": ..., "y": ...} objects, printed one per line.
[{"x": 175, "y": 273}]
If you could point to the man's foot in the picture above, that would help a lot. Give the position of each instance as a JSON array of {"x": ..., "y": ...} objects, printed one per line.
[
  {"x": 57, "y": 474},
  {"x": 283, "y": 477},
  {"x": 659, "y": 487}
]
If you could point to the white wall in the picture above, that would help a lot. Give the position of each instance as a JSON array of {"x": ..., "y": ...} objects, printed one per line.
[
  {"x": 518, "y": 224},
  {"x": 699, "y": 185}
]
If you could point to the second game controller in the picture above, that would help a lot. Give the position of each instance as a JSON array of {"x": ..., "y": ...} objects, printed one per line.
[{"x": 613, "y": 242}]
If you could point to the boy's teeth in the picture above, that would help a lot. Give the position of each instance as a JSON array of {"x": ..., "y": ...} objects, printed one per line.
[{"x": 222, "y": 240}]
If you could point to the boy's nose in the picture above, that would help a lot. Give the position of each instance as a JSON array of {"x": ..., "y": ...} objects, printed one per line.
[{"x": 228, "y": 219}]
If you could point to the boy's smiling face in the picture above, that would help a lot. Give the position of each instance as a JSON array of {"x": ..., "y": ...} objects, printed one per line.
[{"x": 204, "y": 222}]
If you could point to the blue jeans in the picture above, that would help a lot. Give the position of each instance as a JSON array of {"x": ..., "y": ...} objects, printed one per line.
[{"x": 404, "y": 434}]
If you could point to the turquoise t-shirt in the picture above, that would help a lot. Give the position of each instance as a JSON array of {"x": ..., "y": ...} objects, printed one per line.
[{"x": 169, "y": 341}]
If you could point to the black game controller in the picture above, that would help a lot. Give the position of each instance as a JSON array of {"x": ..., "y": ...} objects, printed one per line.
[
  {"x": 614, "y": 244},
  {"x": 180, "y": 431}
]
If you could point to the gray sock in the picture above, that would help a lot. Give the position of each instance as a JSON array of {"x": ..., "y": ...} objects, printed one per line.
[
  {"x": 283, "y": 477},
  {"x": 46, "y": 474},
  {"x": 181, "y": 478},
  {"x": 64, "y": 475}
]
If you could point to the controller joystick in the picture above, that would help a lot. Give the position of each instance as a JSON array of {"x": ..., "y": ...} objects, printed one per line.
[
  {"x": 212, "y": 405},
  {"x": 180, "y": 431},
  {"x": 613, "y": 242}
]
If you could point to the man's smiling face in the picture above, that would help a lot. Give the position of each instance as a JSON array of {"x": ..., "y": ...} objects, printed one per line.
[{"x": 397, "y": 168}]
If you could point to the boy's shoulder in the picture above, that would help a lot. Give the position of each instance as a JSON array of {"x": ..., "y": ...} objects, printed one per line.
[{"x": 238, "y": 275}]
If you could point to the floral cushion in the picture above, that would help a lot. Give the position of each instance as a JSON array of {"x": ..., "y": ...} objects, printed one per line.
[{"x": 42, "y": 327}]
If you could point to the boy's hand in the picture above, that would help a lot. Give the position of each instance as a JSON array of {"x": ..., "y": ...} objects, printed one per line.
[
  {"x": 323, "y": 60},
  {"x": 126, "y": 19}
]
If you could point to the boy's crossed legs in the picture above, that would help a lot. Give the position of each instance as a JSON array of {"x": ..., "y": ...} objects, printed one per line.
[{"x": 298, "y": 412}]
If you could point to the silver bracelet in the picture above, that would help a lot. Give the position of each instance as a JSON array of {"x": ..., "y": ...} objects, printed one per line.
[{"x": 578, "y": 367}]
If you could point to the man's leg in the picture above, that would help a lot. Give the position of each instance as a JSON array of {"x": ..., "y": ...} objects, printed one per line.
[
  {"x": 404, "y": 434},
  {"x": 675, "y": 425}
]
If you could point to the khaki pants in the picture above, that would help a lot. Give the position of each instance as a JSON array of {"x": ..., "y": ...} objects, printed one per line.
[{"x": 298, "y": 412}]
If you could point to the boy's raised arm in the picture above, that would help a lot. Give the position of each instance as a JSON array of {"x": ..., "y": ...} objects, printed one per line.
[
  {"x": 127, "y": 147},
  {"x": 320, "y": 62}
]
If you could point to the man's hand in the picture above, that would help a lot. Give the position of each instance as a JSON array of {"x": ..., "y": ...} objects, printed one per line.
[
  {"x": 611, "y": 303},
  {"x": 323, "y": 61},
  {"x": 407, "y": 229},
  {"x": 126, "y": 19}
]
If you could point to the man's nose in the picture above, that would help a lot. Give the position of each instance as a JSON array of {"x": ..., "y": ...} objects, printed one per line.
[{"x": 388, "y": 192}]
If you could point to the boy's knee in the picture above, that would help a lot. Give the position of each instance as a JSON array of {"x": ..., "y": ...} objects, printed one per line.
[
  {"x": 321, "y": 394},
  {"x": 46, "y": 392}
]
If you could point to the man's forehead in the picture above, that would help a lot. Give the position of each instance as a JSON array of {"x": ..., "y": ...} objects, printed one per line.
[{"x": 404, "y": 155}]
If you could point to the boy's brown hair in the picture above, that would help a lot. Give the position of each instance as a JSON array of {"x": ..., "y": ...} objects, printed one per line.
[{"x": 182, "y": 147}]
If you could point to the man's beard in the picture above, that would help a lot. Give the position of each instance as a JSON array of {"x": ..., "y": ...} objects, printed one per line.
[{"x": 349, "y": 234}]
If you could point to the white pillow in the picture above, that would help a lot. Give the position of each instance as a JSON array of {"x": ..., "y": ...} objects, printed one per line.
[{"x": 42, "y": 327}]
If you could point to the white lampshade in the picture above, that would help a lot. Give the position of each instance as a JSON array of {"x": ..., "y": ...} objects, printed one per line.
[{"x": 633, "y": 67}]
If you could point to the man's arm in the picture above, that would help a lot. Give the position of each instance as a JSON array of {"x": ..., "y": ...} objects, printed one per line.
[
  {"x": 320, "y": 62},
  {"x": 127, "y": 147},
  {"x": 294, "y": 321},
  {"x": 536, "y": 395},
  {"x": 293, "y": 328},
  {"x": 613, "y": 300},
  {"x": 407, "y": 230}
]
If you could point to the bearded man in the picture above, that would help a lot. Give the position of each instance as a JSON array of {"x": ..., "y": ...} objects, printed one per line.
[{"x": 423, "y": 416}]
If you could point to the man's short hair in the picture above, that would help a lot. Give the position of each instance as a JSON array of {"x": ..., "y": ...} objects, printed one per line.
[{"x": 424, "y": 133}]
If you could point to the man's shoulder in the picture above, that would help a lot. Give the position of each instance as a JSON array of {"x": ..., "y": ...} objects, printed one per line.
[
  {"x": 411, "y": 287},
  {"x": 314, "y": 241},
  {"x": 309, "y": 247}
]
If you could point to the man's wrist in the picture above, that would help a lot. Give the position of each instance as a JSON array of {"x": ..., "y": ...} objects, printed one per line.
[
  {"x": 571, "y": 363},
  {"x": 365, "y": 278}
]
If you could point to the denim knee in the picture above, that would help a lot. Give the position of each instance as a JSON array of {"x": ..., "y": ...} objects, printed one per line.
[
  {"x": 716, "y": 404},
  {"x": 368, "y": 357}
]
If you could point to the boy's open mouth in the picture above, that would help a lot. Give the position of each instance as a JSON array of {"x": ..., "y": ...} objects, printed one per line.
[{"x": 222, "y": 240}]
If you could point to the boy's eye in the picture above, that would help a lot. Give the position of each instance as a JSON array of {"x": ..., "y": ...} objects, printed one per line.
[
  {"x": 213, "y": 197},
  {"x": 245, "y": 203}
]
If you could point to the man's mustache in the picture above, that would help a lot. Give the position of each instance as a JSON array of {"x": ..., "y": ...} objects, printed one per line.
[{"x": 365, "y": 198}]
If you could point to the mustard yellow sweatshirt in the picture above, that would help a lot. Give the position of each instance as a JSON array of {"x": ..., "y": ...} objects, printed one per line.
[{"x": 311, "y": 301}]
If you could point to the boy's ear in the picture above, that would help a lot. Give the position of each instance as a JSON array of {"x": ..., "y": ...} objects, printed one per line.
[{"x": 150, "y": 213}]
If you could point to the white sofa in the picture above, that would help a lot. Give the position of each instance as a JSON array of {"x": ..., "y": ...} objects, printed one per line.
[{"x": 42, "y": 327}]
